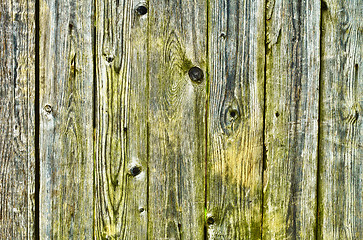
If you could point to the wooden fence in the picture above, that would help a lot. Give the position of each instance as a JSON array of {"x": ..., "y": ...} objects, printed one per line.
[{"x": 189, "y": 119}]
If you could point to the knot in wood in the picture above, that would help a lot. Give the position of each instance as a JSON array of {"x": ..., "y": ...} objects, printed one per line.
[
  {"x": 109, "y": 58},
  {"x": 48, "y": 108},
  {"x": 134, "y": 171},
  {"x": 196, "y": 74},
  {"x": 141, "y": 9},
  {"x": 231, "y": 117},
  {"x": 210, "y": 220},
  {"x": 233, "y": 113}
]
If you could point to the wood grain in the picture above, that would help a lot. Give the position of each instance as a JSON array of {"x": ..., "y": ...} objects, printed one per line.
[
  {"x": 187, "y": 119},
  {"x": 292, "y": 97},
  {"x": 121, "y": 122},
  {"x": 17, "y": 86},
  {"x": 177, "y": 106},
  {"x": 235, "y": 119},
  {"x": 341, "y": 125},
  {"x": 66, "y": 135}
]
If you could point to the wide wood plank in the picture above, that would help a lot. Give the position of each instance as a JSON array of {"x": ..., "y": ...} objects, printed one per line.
[
  {"x": 341, "y": 125},
  {"x": 177, "y": 100},
  {"x": 66, "y": 135},
  {"x": 235, "y": 119},
  {"x": 121, "y": 122},
  {"x": 292, "y": 97},
  {"x": 17, "y": 88}
]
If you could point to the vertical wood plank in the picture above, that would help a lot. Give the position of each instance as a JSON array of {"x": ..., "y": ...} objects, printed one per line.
[
  {"x": 177, "y": 43},
  {"x": 17, "y": 83},
  {"x": 235, "y": 120},
  {"x": 66, "y": 135},
  {"x": 121, "y": 123},
  {"x": 340, "y": 147},
  {"x": 292, "y": 97}
]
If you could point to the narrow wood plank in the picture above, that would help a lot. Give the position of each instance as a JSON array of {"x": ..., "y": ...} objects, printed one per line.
[
  {"x": 66, "y": 135},
  {"x": 292, "y": 97},
  {"x": 177, "y": 105},
  {"x": 341, "y": 134},
  {"x": 235, "y": 120},
  {"x": 121, "y": 123},
  {"x": 17, "y": 83}
]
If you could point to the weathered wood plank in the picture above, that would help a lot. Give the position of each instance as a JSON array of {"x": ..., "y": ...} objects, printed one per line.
[
  {"x": 121, "y": 123},
  {"x": 177, "y": 43},
  {"x": 340, "y": 146},
  {"x": 66, "y": 132},
  {"x": 292, "y": 97},
  {"x": 17, "y": 83},
  {"x": 235, "y": 120}
]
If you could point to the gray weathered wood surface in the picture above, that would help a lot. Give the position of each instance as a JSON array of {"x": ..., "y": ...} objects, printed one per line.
[
  {"x": 197, "y": 119},
  {"x": 17, "y": 89},
  {"x": 235, "y": 119},
  {"x": 292, "y": 108},
  {"x": 66, "y": 113},
  {"x": 341, "y": 147}
]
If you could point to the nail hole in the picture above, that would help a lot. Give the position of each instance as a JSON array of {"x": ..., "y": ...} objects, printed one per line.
[
  {"x": 141, "y": 209},
  {"x": 277, "y": 114},
  {"x": 47, "y": 108},
  {"x": 222, "y": 35},
  {"x": 141, "y": 10},
  {"x": 135, "y": 171},
  {"x": 210, "y": 220},
  {"x": 196, "y": 74}
]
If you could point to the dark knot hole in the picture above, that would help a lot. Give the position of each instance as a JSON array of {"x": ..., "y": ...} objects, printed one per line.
[
  {"x": 210, "y": 220},
  {"x": 141, "y": 10},
  {"x": 135, "y": 171}
]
